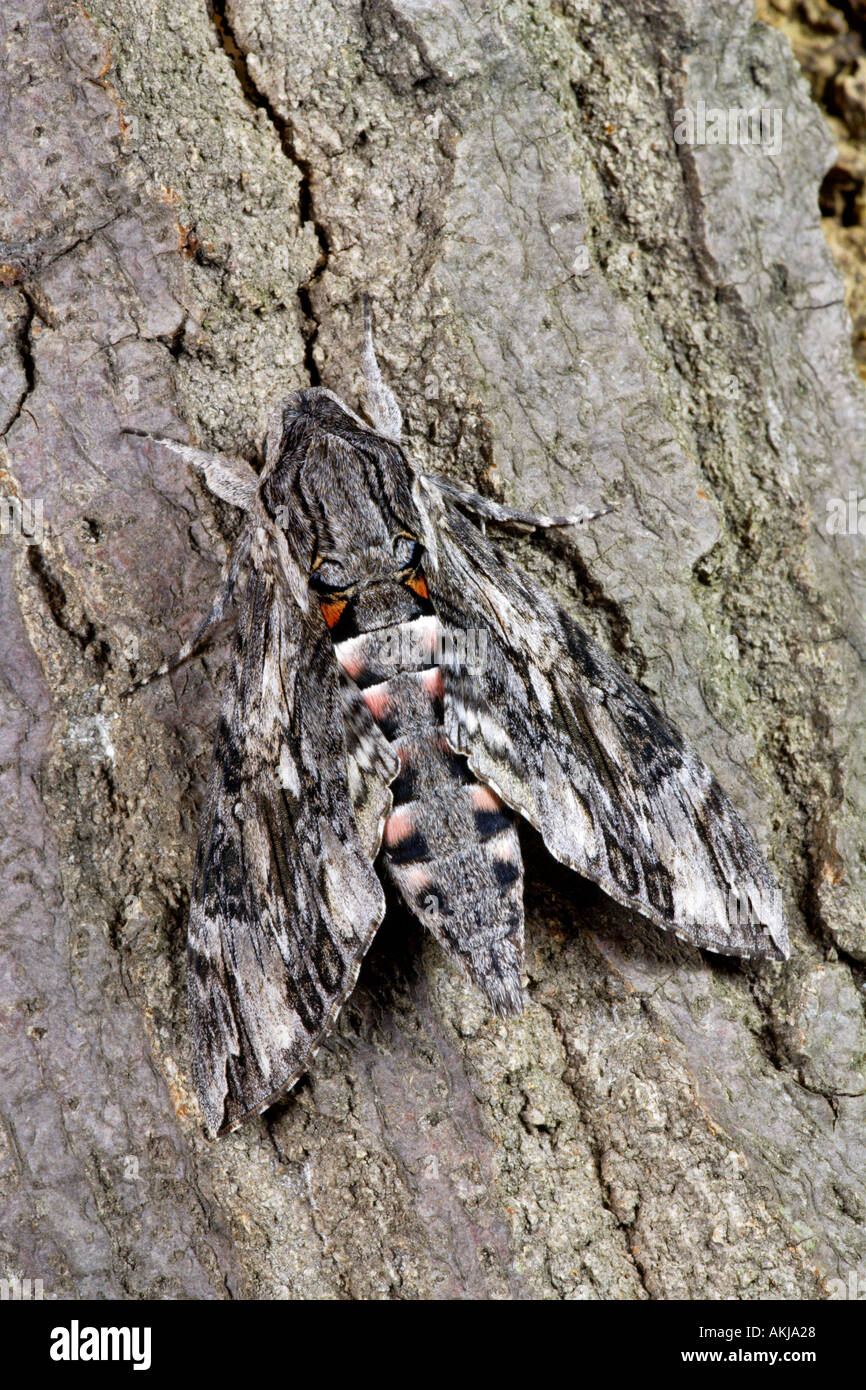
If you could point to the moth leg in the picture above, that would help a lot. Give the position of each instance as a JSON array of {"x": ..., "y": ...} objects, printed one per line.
[
  {"x": 209, "y": 622},
  {"x": 488, "y": 510},
  {"x": 229, "y": 478},
  {"x": 381, "y": 401}
]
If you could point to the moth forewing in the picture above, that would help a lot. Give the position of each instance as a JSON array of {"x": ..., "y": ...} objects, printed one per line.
[{"x": 583, "y": 753}]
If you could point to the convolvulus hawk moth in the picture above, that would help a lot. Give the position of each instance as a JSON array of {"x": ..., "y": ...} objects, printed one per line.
[{"x": 399, "y": 692}]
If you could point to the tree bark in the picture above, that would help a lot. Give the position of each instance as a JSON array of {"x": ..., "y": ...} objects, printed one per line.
[{"x": 571, "y": 307}]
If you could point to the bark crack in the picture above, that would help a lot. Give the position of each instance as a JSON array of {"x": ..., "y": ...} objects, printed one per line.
[
  {"x": 306, "y": 207},
  {"x": 24, "y": 344},
  {"x": 55, "y": 599}
]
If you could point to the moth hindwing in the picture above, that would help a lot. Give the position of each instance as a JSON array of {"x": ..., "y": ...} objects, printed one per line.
[{"x": 398, "y": 694}]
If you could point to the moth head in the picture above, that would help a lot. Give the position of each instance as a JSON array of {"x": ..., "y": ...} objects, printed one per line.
[{"x": 341, "y": 493}]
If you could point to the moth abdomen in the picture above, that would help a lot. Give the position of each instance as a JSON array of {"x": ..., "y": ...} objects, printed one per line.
[{"x": 449, "y": 843}]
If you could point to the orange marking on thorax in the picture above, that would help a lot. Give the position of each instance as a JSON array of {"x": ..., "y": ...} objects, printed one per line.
[
  {"x": 332, "y": 608},
  {"x": 418, "y": 585}
]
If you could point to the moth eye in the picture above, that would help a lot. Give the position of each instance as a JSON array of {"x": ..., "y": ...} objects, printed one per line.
[
  {"x": 407, "y": 552},
  {"x": 330, "y": 576}
]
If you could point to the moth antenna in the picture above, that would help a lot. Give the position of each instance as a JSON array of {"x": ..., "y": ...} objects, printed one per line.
[
  {"x": 581, "y": 518},
  {"x": 486, "y": 510},
  {"x": 230, "y": 478},
  {"x": 381, "y": 401}
]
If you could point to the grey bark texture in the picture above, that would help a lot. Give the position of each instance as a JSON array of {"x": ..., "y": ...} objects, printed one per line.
[{"x": 572, "y": 308}]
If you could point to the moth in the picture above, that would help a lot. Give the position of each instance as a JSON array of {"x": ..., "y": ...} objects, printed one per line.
[{"x": 399, "y": 694}]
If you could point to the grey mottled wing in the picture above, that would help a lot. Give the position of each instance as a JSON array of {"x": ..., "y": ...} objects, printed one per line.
[
  {"x": 553, "y": 725},
  {"x": 285, "y": 899}
]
